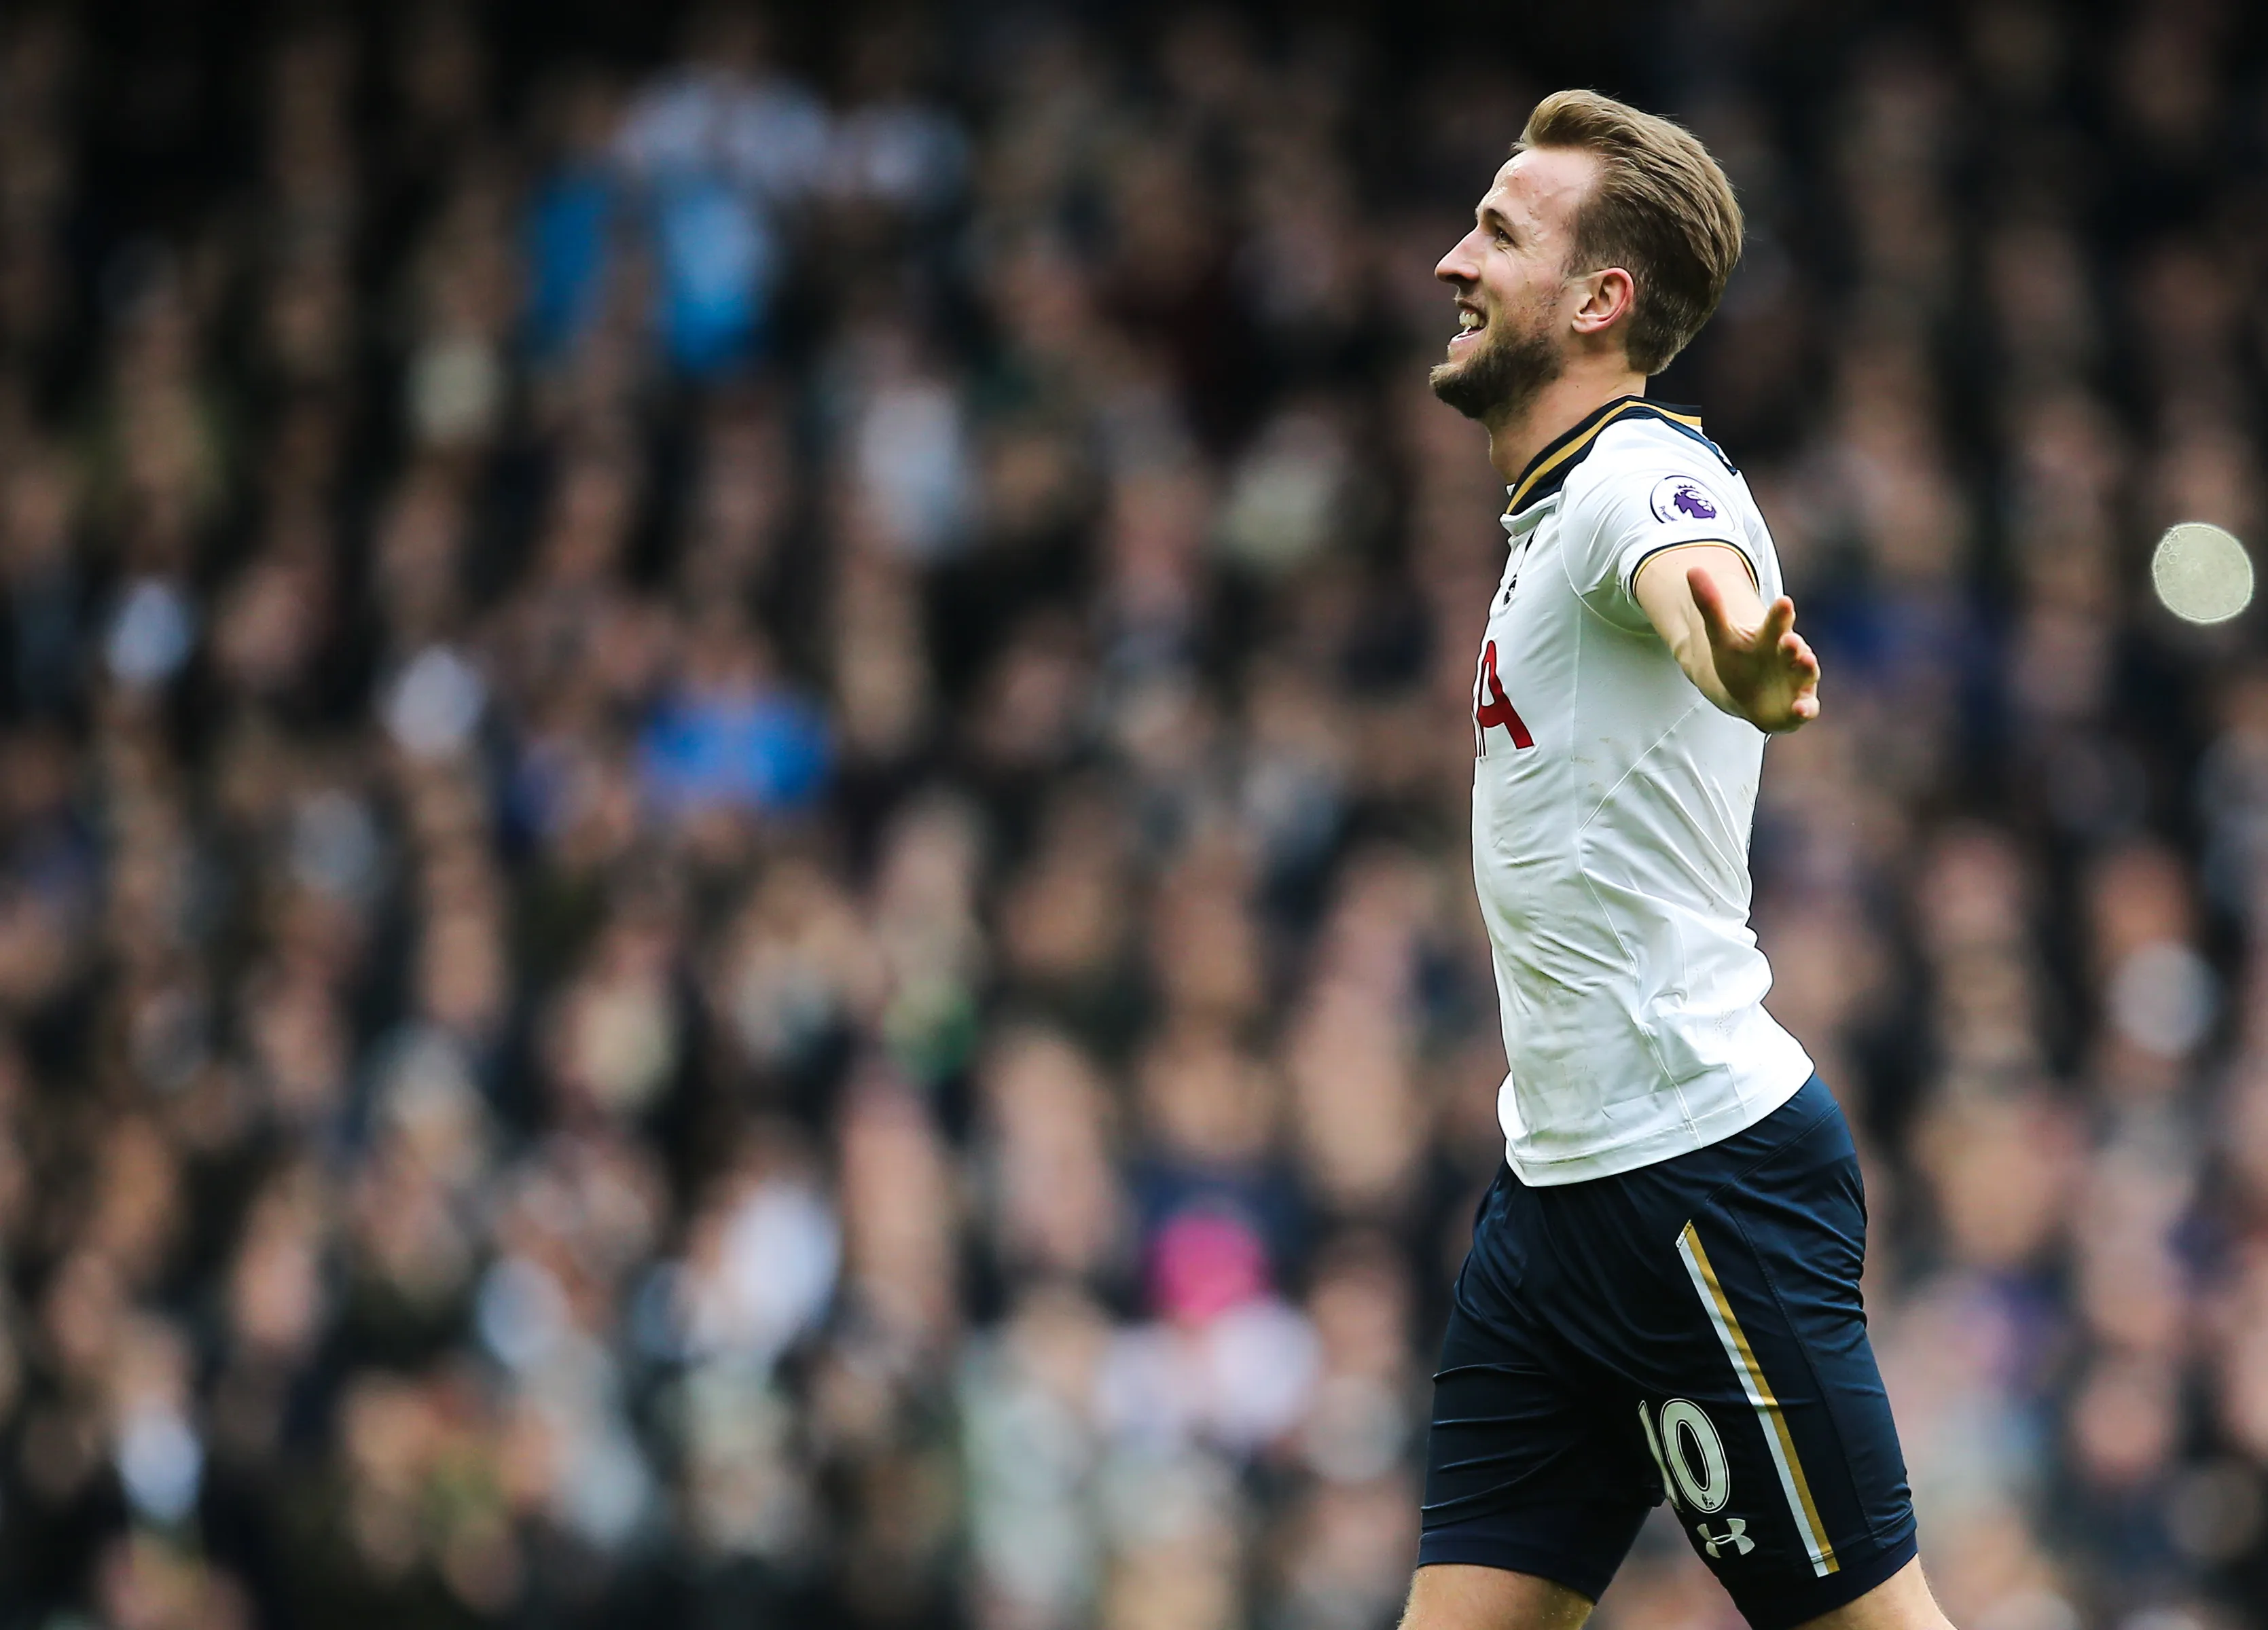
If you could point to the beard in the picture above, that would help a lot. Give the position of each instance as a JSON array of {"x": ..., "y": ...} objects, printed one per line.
[{"x": 1503, "y": 377}]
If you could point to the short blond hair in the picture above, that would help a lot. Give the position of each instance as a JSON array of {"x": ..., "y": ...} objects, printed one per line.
[{"x": 1662, "y": 211}]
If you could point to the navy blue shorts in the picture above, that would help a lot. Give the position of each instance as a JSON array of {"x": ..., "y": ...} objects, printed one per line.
[{"x": 1689, "y": 1330}]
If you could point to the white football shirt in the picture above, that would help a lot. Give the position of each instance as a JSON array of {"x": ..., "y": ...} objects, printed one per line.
[{"x": 1611, "y": 809}]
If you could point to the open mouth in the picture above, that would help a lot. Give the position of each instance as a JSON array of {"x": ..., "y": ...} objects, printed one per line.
[{"x": 1471, "y": 320}]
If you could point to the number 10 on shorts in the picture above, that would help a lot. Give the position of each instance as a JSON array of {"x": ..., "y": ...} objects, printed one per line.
[{"x": 1689, "y": 1456}]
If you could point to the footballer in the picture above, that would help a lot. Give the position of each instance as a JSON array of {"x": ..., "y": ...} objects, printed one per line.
[{"x": 1661, "y": 1297}]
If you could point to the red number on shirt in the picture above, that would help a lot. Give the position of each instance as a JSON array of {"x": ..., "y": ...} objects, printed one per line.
[{"x": 1492, "y": 705}]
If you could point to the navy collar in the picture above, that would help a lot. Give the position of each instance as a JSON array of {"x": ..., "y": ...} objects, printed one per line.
[{"x": 1547, "y": 471}]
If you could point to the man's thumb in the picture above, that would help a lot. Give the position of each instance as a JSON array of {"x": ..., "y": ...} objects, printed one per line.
[{"x": 1709, "y": 601}]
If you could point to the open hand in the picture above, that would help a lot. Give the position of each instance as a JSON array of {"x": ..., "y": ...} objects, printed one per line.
[{"x": 1768, "y": 672}]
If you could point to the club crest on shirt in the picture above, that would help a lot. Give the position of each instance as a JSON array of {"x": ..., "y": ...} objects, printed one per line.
[{"x": 1682, "y": 498}]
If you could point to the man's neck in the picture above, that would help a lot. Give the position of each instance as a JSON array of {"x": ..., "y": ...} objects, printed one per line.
[{"x": 1556, "y": 409}]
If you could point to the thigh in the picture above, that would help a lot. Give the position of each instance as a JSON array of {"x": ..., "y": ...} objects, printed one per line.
[
  {"x": 1901, "y": 1602},
  {"x": 1536, "y": 1464},
  {"x": 1763, "y": 1408},
  {"x": 1456, "y": 1596}
]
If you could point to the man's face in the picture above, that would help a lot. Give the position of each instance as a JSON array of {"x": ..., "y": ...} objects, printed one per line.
[{"x": 1514, "y": 297}]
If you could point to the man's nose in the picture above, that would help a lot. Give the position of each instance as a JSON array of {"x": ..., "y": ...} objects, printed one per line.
[{"x": 1456, "y": 266}]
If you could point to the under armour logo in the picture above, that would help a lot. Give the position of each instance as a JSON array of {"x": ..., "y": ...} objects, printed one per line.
[{"x": 1736, "y": 1535}]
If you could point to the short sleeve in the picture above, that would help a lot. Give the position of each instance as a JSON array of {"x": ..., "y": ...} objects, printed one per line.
[{"x": 1621, "y": 518}]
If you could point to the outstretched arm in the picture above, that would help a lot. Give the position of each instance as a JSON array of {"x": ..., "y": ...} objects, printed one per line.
[{"x": 1744, "y": 656}]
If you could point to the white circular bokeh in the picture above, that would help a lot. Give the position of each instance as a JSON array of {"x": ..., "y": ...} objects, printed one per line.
[{"x": 2201, "y": 572}]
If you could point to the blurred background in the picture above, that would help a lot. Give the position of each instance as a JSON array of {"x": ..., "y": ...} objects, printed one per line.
[{"x": 733, "y": 774}]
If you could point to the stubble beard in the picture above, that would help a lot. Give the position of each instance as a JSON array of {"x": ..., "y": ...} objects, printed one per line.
[{"x": 1498, "y": 384}]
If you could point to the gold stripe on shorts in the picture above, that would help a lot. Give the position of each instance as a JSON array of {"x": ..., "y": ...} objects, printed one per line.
[{"x": 1777, "y": 1438}]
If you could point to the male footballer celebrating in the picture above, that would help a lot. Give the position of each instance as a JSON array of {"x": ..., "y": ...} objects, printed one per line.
[{"x": 1662, "y": 1298}]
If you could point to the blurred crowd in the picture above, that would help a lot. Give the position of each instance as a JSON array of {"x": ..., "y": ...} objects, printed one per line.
[{"x": 733, "y": 783}]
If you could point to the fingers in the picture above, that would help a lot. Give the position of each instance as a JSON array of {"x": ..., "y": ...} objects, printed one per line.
[
  {"x": 1803, "y": 706},
  {"x": 1779, "y": 624}
]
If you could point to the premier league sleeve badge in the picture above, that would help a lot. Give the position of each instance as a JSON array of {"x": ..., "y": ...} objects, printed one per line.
[{"x": 1678, "y": 499}]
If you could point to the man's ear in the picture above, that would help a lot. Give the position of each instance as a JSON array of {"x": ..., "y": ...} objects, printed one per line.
[{"x": 1610, "y": 293}]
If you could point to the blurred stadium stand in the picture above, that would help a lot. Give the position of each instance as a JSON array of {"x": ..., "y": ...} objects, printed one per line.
[{"x": 733, "y": 770}]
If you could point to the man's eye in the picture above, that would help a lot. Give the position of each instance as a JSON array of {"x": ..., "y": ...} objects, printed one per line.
[{"x": 1503, "y": 238}]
